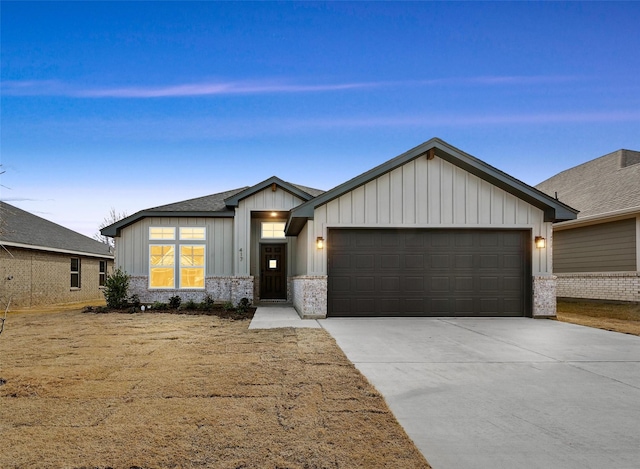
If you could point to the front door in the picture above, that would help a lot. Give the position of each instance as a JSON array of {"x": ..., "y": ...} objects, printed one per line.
[{"x": 273, "y": 272}]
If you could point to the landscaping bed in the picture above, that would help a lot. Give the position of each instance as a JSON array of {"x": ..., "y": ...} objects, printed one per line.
[
  {"x": 617, "y": 317},
  {"x": 160, "y": 390}
]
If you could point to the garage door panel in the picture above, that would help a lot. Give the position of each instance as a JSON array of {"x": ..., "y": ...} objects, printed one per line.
[
  {"x": 390, "y": 261},
  {"x": 390, "y": 284},
  {"x": 414, "y": 261},
  {"x": 428, "y": 272}
]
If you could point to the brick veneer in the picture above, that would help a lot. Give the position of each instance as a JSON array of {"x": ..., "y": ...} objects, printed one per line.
[
  {"x": 618, "y": 286},
  {"x": 30, "y": 278}
]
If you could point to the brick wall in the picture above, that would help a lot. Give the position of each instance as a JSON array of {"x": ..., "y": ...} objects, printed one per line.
[
  {"x": 623, "y": 286},
  {"x": 37, "y": 278}
]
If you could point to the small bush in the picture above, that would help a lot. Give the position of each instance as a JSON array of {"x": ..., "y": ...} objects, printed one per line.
[
  {"x": 190, "y": 305},
  {"x": 243, "y": 305},
  {"x": 115, "y": 289},
  {"x": 158, "y": 305},
  {"x": 174, "y": 302},
  {"x": 228, "y": 306},
  {"x": 134, "y": 300},
  {"x": 208, "y": 303}
]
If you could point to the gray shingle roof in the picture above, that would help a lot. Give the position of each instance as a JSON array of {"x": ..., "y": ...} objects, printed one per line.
[
  {"x": 208, "y": 205},
  {"x": 606, "y": 184},
  {"x": 18, "y": 227}
]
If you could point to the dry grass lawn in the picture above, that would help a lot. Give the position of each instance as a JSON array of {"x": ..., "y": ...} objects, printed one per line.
[
  {"x": 161, "y": 391},
  {"x": 612, "y": 317}
]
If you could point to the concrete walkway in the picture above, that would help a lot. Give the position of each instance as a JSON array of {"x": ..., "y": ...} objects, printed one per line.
[
  {"x": 276, "y": 316},
  {"x": 504, "y": 393}
]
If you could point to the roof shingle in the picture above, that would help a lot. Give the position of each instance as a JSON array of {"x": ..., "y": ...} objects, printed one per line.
[
  {"x": 606, "y": 184},
  {"x": 23, "y": 228}
]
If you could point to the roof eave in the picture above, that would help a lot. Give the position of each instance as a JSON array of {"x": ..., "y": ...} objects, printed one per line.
[
  {"x": 57, "y": 250},
  {"x": 233, "y": 201},
  {"x": 113, "y": 231},
  {"x": 553, "y": 210}
]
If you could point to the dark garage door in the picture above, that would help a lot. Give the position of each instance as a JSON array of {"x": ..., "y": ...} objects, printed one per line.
[{"x": 428, "y": 272}]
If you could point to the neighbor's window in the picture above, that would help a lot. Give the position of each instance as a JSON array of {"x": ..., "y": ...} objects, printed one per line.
[
  {"x": 273, "y": 230},
  {"x": 192, "y": 233},
  {"x": 156, "y": 232},
  {"x": 192, "y": 266},
  {"x": 75, "y": 272},
  {"x": 162, "y": 266},
  {"x": 103, "y": 273}
]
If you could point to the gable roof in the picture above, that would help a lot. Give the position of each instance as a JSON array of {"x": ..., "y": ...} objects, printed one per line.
[
  {"x": 553, "y": 209},
  {"x": 221, "y": 204},
  {"x": 22, "y": 229},
  {"x": 610, "y": 183}
]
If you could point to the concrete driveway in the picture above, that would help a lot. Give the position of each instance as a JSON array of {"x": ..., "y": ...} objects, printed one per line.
[{"x": 504, "y": 393}]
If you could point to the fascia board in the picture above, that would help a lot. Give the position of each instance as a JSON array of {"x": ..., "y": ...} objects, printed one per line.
[
  {"x": 553, "y": 210},
  {"x": 113, "y": 231},
  {"x": 234, "y": 200},
  {"x": 597, "y": 219},
  {"x": 49, "y": 249}
]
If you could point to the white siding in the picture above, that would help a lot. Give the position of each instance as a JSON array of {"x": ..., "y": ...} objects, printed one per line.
[{"x": 429, "y": 194}]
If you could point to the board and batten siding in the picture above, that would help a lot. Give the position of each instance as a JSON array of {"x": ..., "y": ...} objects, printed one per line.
[
  {"x": 606, "y": 247},
  {"x": 132, "y": 247},
  {"x": 430, "y": 194},
  {"x": 262, "y": 201}
]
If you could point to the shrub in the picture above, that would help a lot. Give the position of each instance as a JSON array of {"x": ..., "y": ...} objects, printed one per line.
[
  {"x": 208, "y": 303},
  {"x": 159, "y": 305},
  {"x": 174, "y": 302},
  {"x": 228, "y": 306},
  {"x": 134, "y": 300},
  {"x": 243, "y": 305},
  {"x": 115, "y": 289},
  {"x": 190, "y": 305}
]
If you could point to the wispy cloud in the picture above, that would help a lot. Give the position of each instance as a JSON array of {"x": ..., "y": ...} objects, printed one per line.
[
  {"x": 226, "y": 88},
  {"x": 54, "y": 88}
]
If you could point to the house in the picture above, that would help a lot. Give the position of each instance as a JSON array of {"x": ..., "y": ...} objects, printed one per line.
[
  {"x": 432, "y": 232},
  {"x": 42, "y": 263},
  {"x": 597, "y": 256}
]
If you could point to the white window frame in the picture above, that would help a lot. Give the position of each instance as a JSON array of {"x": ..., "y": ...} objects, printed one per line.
[
  {"x": 151, "y": 287},
  {"x": 77, "y": 272},
  {"x": 273, "y": 231},
  {"x": 203, "y": 266},
  {"x": 185, "y": 228},
  {"x": 168, "y": 236}
]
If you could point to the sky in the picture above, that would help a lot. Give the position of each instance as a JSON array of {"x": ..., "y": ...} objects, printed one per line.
[{"x": 127, "y": 106}]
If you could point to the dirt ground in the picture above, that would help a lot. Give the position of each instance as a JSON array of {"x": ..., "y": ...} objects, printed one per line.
[
  {"x": 155, "y": 390},
  {"x": 612, "y": 317}
]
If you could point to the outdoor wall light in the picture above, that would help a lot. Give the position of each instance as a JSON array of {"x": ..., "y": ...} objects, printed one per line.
[
  {"x": 541, "y": 243},
  {"x": 320, "y": 242}
]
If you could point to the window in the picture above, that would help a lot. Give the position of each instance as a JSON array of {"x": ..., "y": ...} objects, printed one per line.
[
  {"x": 273, "y": 230},
  {"x": 192, "y": 233},
  {"x": 162, "y": 266},
  {"x": 75, "y": 272},
  {"x": 192, "y": 266},
  {"x": 103, "y": 273},
  {"x": 162, "y": 232}
]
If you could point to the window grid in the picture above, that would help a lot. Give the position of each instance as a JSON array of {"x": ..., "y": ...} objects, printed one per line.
[
  {"x": 162, "y": 266},
  {"x": 192, "y": 266},
  {"x": 273, "y": 230},
  {"x": 75, "y": 272},
  {"x": 158, "y": 232},
  {"x": 103, "y": 273},
  {"x": 193, "y": 233}
]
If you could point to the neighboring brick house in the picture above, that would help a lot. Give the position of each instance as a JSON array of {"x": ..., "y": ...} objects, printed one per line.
[
  {"x": 42, "y": 263},
  {"x": 597, "y": 256}
]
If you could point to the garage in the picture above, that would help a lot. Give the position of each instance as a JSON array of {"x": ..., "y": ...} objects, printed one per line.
[{"x": 428, "y": 272}]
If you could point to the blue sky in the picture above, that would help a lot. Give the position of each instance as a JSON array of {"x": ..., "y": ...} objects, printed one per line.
[{"x": 133, "y": 105}]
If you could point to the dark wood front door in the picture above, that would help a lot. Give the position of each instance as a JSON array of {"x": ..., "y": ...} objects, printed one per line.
[{"x": 273, "y": 272}]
